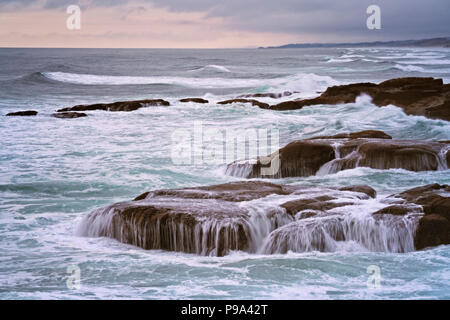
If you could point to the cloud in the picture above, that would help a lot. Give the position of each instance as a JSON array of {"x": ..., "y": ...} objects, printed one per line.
[
  {"x": 400, "y": 18},
  {"x": 272, "y": 21}
]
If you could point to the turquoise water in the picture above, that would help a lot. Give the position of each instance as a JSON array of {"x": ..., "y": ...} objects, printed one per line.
[{"x": 53, "y": 171}]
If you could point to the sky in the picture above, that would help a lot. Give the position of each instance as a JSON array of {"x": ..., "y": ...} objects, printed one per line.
[{"x": 215, "y": 23}]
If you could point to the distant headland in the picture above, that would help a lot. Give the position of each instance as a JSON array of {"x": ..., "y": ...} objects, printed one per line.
[{"x": 434, "y": 42}]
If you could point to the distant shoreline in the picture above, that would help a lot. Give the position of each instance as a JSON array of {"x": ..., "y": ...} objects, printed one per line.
[{"x": 443, "y": 42}]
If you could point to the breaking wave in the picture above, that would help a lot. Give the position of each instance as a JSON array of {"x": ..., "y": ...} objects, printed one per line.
[{"x": 304, "y": 82}]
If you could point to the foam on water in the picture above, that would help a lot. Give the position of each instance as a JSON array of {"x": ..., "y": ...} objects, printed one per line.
[
  {"x": 53, "y": 172},
  {"x": 304, "y": 82}
]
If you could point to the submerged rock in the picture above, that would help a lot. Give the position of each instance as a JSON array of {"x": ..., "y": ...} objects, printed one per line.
[
  {"x": 251, "y": 101},
  {"x": 427, "y": 97},
  {"x": 27, "y": 113},
  {"x": 261, "y": 217},
  {"x": 331, "y": 154},
  {"x": 196, "y": 100},
  {"x": 118, "y": 106},
  {"x": 69, "y": 115}
]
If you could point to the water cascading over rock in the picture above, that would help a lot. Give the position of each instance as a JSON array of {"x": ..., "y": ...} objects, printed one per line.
[
  {"x": 331, "y": 154},
  {"x": 261, "y": 217}
]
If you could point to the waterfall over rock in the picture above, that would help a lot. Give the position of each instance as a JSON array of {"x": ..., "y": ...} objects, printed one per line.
[
  {"x": 261, "y": 217},
  {"x": 331, "y": 154}
]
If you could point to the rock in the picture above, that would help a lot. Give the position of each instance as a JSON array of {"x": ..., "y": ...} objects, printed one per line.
[
  {"x": 321, "y": 203},
  {"x": 331, "y": 154},
  {"x": 297, "y": 159},
  {"x": 433, "y": 230},
  {"x": 118, "y": 106},
  {"x": 69, "y": 115},
  {"x": 355, "y": 135},
  {"x": 22, "y": 113},
  {"x": 396, "y": 210},
  {"x": 408, "y": 155},
  {"x": 434, "y": 226},
  {"x": 433, "y": 198},
  {"x": 262, "y": 217},
  {"x": 196, "y": 100},
  {"x": 427, "y": 97},
  {"x": 361, "y": 189},
  {"x": 268, "y": 95},
  {"x": 204, "y": 220},
  {"x": 251, "y": 101},
  {"x": 233, "y": 191}
]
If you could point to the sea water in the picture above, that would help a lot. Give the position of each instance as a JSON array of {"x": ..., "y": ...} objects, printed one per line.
[{"x": 53, "y": 172}]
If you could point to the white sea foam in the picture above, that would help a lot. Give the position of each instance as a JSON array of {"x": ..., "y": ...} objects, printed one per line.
[
  {"x": 304, "y": 82},
  {"x": 409, "y": 68},
  {"x": 340, "y": 60},
  {"x": 213, "y": 67}
]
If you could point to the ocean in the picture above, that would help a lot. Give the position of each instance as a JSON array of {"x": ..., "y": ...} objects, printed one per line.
[{"x": 53, "y": 172}]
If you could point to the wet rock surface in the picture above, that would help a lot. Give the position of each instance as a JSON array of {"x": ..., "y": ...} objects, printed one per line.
[
  {"x": 434, "y": 201},
  {"x": 331, "y": 154},
  {"x": 27, "y": 113},
  {"x": 268, "y": 95},
  {"x": 251, "y": 101},
  {"x": 196, "y": 100},
  {"x": 118, "y": 106},
  {"x": 69, "y": 115},
  {"x": 261, "y": 217},
  {"x": 427, "y": 97}
]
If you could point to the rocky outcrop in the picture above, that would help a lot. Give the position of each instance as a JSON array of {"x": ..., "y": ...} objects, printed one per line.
[
  {"x": 427, "y": 97},
  {"x": 331, "y": 154},
  {"x": 434, "y": 201},
  {"x": 69, "y": 115},
  {"x": 268, "y": 95},
  {"x": 205, "y": 220},
  {"x": 361, "y": 189},
  {"x": 195, "y": 100},
  {"x": 261, "y": 217},
  {"x": 27, "y": 113},
  {"x": 251, "y": 101},
  {"x": 376, "y": 134},
  {"x": 118, "y": 106}
]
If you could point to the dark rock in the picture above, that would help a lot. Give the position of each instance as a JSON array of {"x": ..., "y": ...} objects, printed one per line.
[
  {"x": 321, "y": 203},
  {"x": 268, "y": 95},
  {"x": 233, "y": 191},
  {"x": 22, "y": 113},
  {"x": 215, "y": 220},
  {"x": 434, "y": 226},
  {"x": 118, "y": 106},
  {"x": 196, "y": 100},
  {"x": 433, "y": 230},
  {"x": 361, "y": 189},
  {"x": 345, "y": 151},
  {"x": 251, "y": 101},
  {"x": 204, "y": 220},
  {"x": 376, "y": 134},
  {"x": 396, "y": 210},
  {"x": 297, "y": 159},
  {"x": 427, "y": 97},
  {"x": 69, "y": 115},
  {"x": 408, "y": 155}
]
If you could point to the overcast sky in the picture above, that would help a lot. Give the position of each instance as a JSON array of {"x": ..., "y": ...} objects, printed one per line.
[{"x": 216, "y": 23}]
